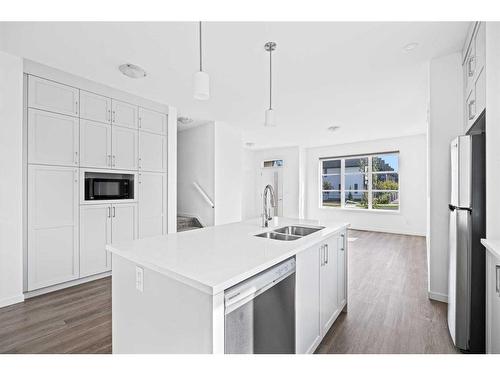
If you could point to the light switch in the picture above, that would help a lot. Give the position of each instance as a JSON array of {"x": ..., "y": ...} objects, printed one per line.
[{"x": 139, "y": 279}]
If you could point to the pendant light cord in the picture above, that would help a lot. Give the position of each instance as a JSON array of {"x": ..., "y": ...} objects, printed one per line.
[
  {"x": 201, "y": 66},
  {"x": 270, "y": 78}
]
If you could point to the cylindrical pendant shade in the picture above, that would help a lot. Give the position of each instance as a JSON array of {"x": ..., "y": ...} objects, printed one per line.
[
  {"x": 201, "y": 86},
  {"x": 270, "y": 118}
]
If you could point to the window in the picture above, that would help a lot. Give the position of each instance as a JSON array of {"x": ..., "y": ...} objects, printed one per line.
[{"x": 362, "y": 182}]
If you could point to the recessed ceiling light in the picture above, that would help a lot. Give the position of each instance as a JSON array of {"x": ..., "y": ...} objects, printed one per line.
[
  {"x": 249, "y": 144},
  {"x": 333, "y": 128},
  {"x": 132, "y": 71},
  {"x": 410, "y": 46}
]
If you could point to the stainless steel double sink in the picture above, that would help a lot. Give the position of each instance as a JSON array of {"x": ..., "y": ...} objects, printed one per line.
[{"x": 290, "y": 232}]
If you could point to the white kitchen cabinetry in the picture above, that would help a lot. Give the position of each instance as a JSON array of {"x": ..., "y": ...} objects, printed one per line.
[
  {"x": 124, "y": 114},
  {"x": 152, "y": 121},
  {"x": 151, "y": 152},
  {"x": 307, "y": 301},
  {"x": 52, "y": 225},
  {"x": 52, "y": 96},
  {"x": 320, "y": 290},
  {"x": 492, "y": 303},
  {"x": 100, "y": 225},
  {"x": 95, "y": 144},
  {"x": 151, "y": 204},
  {"x": 95, "y": 107},
  {"x": 52, "y": 138},
  {"x": 95, "y": 234},
  {"x": 124, "y": 146}
]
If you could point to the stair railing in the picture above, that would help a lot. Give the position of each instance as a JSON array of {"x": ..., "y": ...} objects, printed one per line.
[{"x": 203, "y": 194}]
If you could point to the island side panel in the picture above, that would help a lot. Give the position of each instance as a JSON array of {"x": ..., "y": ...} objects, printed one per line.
[{"x": 166, "y": 317}]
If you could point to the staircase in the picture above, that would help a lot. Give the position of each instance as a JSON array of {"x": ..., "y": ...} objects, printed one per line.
[{"x": 185, "y": 223}]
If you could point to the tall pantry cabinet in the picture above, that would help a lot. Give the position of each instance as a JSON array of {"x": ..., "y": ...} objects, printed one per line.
[{"x": 71, "y": 131}]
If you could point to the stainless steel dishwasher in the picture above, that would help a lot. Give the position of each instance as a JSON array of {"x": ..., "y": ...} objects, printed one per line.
[{"x": 260, "y": 312}]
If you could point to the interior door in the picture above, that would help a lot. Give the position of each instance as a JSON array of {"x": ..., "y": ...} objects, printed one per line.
[
  {"x": 52, "y": 225},
  {"x": 151, "y": 204},
  {"x": 95, "y": 234},
  {"x": 52, "y": 96},
  {"x": 124, "y": 114},
  {"x": 124, "y": 147},
  {"x": 152, "y": 121},
  {"x": 95, "y": 107},
  {"x": 95, "y": 144},
  {"x": 123, "y": 222},
  {"x": 52, "y": 138},
  {"x": 151, "y": 151},
  {"x": 328, "y": 284}
]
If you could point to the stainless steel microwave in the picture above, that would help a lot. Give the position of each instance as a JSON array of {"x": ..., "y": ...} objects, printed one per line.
[{"x": 108, "y": 187}]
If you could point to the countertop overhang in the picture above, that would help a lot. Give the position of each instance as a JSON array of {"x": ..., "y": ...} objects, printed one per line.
[{"x": 215, "y": 258}]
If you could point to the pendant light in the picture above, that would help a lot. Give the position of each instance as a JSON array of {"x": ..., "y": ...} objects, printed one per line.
[
  {"x": 270, "y": 119},
  {"x": 201, "y": 89}
]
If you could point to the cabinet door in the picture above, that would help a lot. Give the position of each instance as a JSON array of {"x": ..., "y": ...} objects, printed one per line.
[
  {"x": 151, "y": 204},
  {"x": 342, "y": 271},
  {"x": 52, "y": 225},
  {"x": 52, "y": 138},
  {"x": 480, "y": 90},
  {"x": 152, "y": 121},
  {"x": 480, "y": 43},
  {"x": 95, "y": 107},
  {"x": 470, "y": 65},
  {"x": 52, "y": 96},
  {"x": 95, "y": 234},
  {"x": 307, "y": 277},
  {"x": 123, "y": 222},
  {"x": 151, "y": 151},
  {"x": 328, "y": 284},
  {"x": 124, "y": 114},
  {"x": 124, "y": 147},
  {"x": 95, "y": 144}
]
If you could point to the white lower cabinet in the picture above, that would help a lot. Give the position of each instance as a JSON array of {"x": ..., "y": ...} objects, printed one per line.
[
  {"x": 52, "y": 225},
  {"x": 492, "y": 304},
  {"x": 151, "y": 204},
  {"x": 320, "y": 290},
  {"x": 100, "y": 225}
]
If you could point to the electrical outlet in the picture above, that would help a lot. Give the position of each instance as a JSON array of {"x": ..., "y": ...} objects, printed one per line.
[{"x": 139, "y": 279}]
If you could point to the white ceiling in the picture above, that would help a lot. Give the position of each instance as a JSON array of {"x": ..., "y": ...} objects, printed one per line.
[{"x": 355, "y": 75}]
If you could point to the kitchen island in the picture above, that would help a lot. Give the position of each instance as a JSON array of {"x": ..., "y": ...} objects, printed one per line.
[{"x": 168, "y": 291}]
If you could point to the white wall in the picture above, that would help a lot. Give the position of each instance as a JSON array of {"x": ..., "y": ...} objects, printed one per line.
[
  {"x": 196, "y": 163},
  {"x": 412, "y": 164},
  {"x": 228, "y": 174},
  {"x": 11, "y": 185},
  {"x": 445, "y": 123},
  {"x": 252, "y": 164},
  {"x": 492, "y": 130}
]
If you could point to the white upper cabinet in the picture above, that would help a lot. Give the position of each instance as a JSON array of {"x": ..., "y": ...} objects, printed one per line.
[
  {"x": 52, "y": 225},
  {"x": 52, "y": 96},
  {"x": 151, "y": 204},
  {"x": 124, "y": 114},
  {"x": 95, "y": 107},
  {"x": 328, "y": 284},
  {"x": 151, "y": 152},
  {"x": 124, "y": 147},
  {"x": 95, "y": 234},
  {"x": 123, "y": 222},
  {"x": 95, "y": 144},
  {"x": 152, "y": 121},
  {"x": 52, "y": 138},
  {"x": 480, "y": 45}
]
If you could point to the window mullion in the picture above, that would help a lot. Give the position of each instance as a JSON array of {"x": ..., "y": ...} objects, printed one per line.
[
  {"x": 342, "y": 183},
  {"x": 370, "y": 179}
]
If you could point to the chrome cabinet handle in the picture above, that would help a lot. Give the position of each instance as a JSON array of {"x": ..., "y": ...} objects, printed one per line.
[
  {"x": 109, "y": 211},
  {"x": 327, "y": 254},
  {"x": 343, "y": 242},
  {"x": 114, "y": 161},
  {"x": 76, "y": 175},
  {"x": 497, "y": 281},
  {"x": 140, "y": 122},
  {"x": 76, "y": 106},
  {"x": 472, "y": 60},
  {"x": 472, "y": 105},
  {"x": 113, "y": 118},
  {"x": 76, "y": 157},
  {"x": 139, "y": 179},
  {"x": 108, "y": 115},
  {"x": 322, "y": 252},
  {"x": 109, "y": 160},
  {"x": 140, "y": 163},
  {"x": 114, "y": 211}
]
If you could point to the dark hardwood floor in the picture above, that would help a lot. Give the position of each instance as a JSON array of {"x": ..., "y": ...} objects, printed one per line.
[{"x": 389, "y": 311}]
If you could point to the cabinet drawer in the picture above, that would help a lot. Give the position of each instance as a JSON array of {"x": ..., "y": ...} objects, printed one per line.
[{"x": 52, "y": 96}]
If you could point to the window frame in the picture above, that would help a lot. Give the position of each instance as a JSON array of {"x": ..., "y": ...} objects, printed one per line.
[{"x": 370, "y": 191}]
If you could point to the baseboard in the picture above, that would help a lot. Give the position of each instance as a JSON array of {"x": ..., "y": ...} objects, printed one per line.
[
  {"x": 68, "y": 284},
  {"x": 11, "y": 300},
  {"x": 438, "y": 296}
]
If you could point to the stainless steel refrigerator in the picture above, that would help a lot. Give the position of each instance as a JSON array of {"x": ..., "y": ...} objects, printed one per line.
[{"x": 466, "y": 281}]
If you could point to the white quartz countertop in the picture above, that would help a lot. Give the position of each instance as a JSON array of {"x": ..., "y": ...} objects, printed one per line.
[
  {"x": 492, "y": 246},
  {"x": 215, "y": 258}
]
